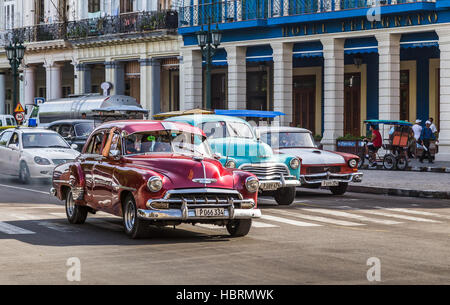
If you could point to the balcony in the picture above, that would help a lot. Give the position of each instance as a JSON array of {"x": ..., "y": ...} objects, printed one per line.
[
  {"x": 104, "y": 28},
  {"x": 269, "y": 12}
]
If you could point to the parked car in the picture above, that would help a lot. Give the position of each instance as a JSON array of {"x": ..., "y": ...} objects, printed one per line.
[
  {"x": 319, "y": 168},
  {"x": 33, "y": 153},
  {"x": 7, "y": 121},
  {"x": 73, "y": 131},
  {"x": 158, "y": 173},
  {"x": 232, "y": 138}
]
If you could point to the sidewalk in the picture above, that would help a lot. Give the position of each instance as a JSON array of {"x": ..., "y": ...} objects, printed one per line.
[
  {"x": 416, "y": 166},
  {"x": 400, "y": 183}
]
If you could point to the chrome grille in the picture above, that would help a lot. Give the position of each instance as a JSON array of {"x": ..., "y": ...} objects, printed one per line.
[
  {"x": 267, "y": 171},
  {"x": 203, "y": 198},
  {"x": 323, "y": 169},
  {"x": 60, "y": 161}
]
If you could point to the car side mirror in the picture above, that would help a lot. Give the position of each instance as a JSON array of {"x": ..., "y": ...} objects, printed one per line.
[
  {"x": 74, "y": 146},
  {"x": 13, "y": 146},
  {"x": 114, "y": 154},
  {"x": 257, "y": 134},
  {"x": 217, "y": 156}
]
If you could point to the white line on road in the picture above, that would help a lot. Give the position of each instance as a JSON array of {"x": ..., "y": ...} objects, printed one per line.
[
  {"x": 57, "y": 227},
  {"x": 415, "y": 212},
  {"x": 379, "y": 213},
  {"x": 317, "y": 218},
  {"x": 257, "y": 224},
  {"x": 289, "y": 221},
  {"x": 10, "y": 229},
  {"x": 352, "y": 216},
  {"x": 24, "y": 189}
]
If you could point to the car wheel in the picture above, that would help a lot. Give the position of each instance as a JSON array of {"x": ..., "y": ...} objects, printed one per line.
[
  {"x": 24, "y": 173},
  {"x": 76, "y": 214},
  {"x": 134, "y": 227},
  {"x": 402, "y": 163},
  {"x": 285, "y": 195},
  {"x": 240, "y": 227},
  {"x": 389, "y": 162},
  {"x": 340, "y": 189}
]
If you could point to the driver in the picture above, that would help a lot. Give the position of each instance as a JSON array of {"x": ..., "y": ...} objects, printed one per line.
[
  {"x": 111, "y": 143},
  {"x": 374, "y": 144}
]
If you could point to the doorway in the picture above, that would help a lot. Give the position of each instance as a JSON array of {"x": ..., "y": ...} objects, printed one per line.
[
  {"x": 404, "y": 95},
  {"x": 352, "y": 104},
  {"x": 218, "y": 91},
  {"x": 304, "y": 102}
]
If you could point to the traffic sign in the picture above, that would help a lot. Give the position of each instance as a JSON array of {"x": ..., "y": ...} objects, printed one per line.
[
  {"x": 39, "y": 100},
  {"x": 19, "y": 116},
  {"x": 19, "y": 108}
]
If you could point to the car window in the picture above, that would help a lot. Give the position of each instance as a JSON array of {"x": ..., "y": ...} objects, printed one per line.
[
  {"x": 4, "y": 138},
  {"x": 43, "y": 140},
  {"x": 84, "y": 129},
  {"x": 222, "y": 129},
  {"x": 1, "y": 123},
  {"x": 66, "y": 131},
  {"x": 14, "y": 139},
  {"x": 95, "y": 144},
  {"x": 10, "y": 122},
  {"x": 288, "y": 139},
  {"x": 54, "y": 127}
]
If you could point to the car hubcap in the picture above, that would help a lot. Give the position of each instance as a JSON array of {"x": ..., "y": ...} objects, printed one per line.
[
  {"x": 70, "y": 205},
  {"x": 23, "y": 172},
  {"x": 130, "y": 217}
]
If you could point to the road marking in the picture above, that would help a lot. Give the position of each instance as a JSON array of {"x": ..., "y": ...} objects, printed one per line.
[
  {"x": 10, "y": 229},
  {"x": 289, "y": 221},
  {"x": 352, "y": 216},
  {"x": 257, "y": 224},
  {"x": 57, "y": 227},
  {"x": 25, "y": 217},
  {"x": 318, "y": 218},
  {"x": 63, "y": 215},
  {"x": 24, "y": 189},
  {"x": 208, "y": 226},
  {"x": 379, "y": 213},
  {"x": 415, "y": 212}
]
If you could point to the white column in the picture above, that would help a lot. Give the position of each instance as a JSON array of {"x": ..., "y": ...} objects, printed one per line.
[
  {"x": 53, "y": 80},
  {"x": 191, "y": 80},
  {"x": 237, "y": 77},
  {"x": 333, "y": 54},
  {"x": 150, "y": 85},
  {"x": 29, "y": 85},
  {"x": 2, "y": 93},
  {"x": 115, "y": 74},
  {"x": 444, "y": 99},
  {"x": 389, "y": 76},
  {"x": 282, "y": 80},
  {"x": 83, "y": 78}
]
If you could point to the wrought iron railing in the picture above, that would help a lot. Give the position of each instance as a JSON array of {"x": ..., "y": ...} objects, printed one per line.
[
  {"x": 122, "y": 24},
  {"x": 244, "y": 10}
]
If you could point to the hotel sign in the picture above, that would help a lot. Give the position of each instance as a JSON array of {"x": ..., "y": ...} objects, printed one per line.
[{"x": 359, "y": 24}]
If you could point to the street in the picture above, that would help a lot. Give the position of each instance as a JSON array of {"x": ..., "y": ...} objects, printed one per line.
[{"x": 320, "y": 239}]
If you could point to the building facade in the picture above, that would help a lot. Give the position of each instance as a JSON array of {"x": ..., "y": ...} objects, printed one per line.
[
  {"x": 73, "y": 46},
  {"x": 328, "y": 64}
]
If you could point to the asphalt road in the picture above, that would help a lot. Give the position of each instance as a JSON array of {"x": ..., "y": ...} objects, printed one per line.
[{"x": 320, "y": 239}]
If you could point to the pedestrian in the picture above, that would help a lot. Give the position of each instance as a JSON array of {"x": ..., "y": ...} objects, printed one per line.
[
  {"x": 433, "y": 127},
  {"x": 417, "y": 129},
  {"x": 83, "y": 115},
  {"x": 374, "y": 145},
  {"x": 426, "y": 136}
]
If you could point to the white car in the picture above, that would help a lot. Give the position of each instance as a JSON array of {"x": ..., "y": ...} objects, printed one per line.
[
  {"x": 33, "y": 153},
  {"x": 319, "y": 168}
]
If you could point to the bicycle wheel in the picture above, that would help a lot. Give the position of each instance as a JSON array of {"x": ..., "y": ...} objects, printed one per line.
[{"x": 389, "y": 162}]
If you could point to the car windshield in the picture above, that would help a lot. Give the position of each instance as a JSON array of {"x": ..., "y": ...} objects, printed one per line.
[
  {"x": 43, "y": 140},
  {"x": 84, "y": 129},
  {"x": 288, "y": 139},
  {"x": 222, "y": 129},
  {"x": 167, "y": 141}
]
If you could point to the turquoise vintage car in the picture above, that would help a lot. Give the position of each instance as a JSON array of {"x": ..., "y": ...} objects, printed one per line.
[{"x": 234, "y": 143}]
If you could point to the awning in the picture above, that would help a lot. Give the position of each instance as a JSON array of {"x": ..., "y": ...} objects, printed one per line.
[
  {"x": 249, "y": 113},
  {"x": 220, "y": 58},
  {"x": 419, "y": 40},
  {"x": 259, "y": 53},
  {"x": 165, "y": 115},
  {"x": 361, "y": 45},
  {"x": 307, "y": 49}
]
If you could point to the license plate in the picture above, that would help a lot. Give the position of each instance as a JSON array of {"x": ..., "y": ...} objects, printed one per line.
[
  {"x": 269, "y": 186},
  {"x": 210, "y": 212},
  {"x": 330, "y": 183}
]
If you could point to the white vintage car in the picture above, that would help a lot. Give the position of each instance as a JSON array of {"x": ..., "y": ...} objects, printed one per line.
[
  {"x": 33, "y": 153},
  {"x": 319, "y": 168}
]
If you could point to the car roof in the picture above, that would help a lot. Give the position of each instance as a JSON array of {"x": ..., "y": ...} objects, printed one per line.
[
  {"x": 70, "y": 122},
  {"x": 133, "y": 126},
  {"x": 30, "y": 130},
  {"x": 203, "y": 118},
  {"x": 266, "y": 129}
]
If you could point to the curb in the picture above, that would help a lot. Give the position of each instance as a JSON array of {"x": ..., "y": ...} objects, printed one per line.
[
  {"x": 414, "y": 169},
  {"x": 398, "y": 192}
]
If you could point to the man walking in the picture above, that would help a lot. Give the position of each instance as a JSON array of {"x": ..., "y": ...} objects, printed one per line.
[{"x": 426, "y": 136}]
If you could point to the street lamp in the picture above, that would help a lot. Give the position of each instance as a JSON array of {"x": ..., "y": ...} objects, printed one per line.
[
  {"x": 15, "y": 53},
  {"x": 209, "y": 41}
]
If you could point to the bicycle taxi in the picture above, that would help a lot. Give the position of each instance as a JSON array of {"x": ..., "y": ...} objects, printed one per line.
[{"x": 394, "y": 151}]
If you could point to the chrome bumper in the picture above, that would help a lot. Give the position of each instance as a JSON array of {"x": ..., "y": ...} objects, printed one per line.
[
  {"x": 318, "y": 178},
  {"x": 281, "y": 183},
  {"x": 188, "y": 213}
]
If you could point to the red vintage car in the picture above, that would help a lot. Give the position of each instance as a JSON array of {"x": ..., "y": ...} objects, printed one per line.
[{"x": 155, "y": 173}]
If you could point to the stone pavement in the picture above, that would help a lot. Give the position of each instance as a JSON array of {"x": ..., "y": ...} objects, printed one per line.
[
  {"x": 416, "y": 166},
  {"x": 401, "y": 183}
]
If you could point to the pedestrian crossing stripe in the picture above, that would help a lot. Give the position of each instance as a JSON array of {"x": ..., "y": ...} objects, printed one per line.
[
  {"x": 380, "y": 213},
  {"x": 414, "y": 212},
  {"x": 318, "y": 218},
  {"x": 354, "y": 216},
  {"x": 289, "y": 221},
  {"x": 11, "y": 229}
]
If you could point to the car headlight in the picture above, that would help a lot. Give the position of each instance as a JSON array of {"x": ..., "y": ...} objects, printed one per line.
[
  {"x": 230, "y": 164},
  {"x": 41, "y": 161},
  {"x": 352, "y": 163},
  {"x": 295, "y": 163},
  {"x": 252, "y": 184},
  {"x": 154, "y": 184}
]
